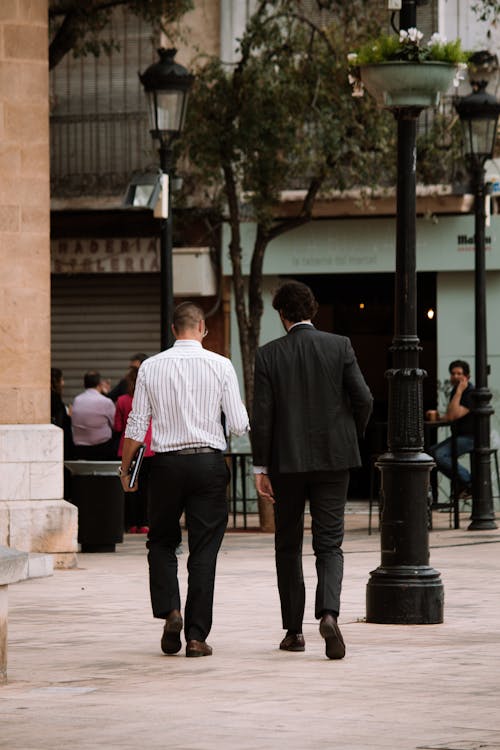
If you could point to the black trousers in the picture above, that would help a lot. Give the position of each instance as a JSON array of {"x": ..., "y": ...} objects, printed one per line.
[
  {"x": 196, "y": 485},
  {"x": 326, "y": 492}
]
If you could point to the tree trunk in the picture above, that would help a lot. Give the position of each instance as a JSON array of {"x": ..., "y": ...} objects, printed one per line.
[{"x": 249, "y": 320}]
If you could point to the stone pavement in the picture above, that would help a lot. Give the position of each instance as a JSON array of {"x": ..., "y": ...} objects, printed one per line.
[{"x": 86, "y": 671}]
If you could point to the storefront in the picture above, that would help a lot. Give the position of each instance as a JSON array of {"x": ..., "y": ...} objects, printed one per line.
[
  {"x": 350, "y": 265},
  {"x": 106, "y": 299}
]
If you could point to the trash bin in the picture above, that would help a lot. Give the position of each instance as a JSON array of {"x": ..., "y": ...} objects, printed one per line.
[{"x": 97, "y": 492}]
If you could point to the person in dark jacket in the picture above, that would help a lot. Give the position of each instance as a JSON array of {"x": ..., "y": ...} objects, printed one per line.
[
  {"x": 58, "y": 411},
  {"x": 311, "y": 403},
  {"x": 459, "y": 413}
]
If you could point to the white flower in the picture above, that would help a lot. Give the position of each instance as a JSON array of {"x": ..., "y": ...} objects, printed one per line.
[
  {"x": 459, "y": 75},
  {"x": 415, "y": 35},
  {"x": 436, "y": 39},
  {"x": 403, "y": 35},
  {"x": 358, "y": 89},
  {"x": 352, "y": 58}
]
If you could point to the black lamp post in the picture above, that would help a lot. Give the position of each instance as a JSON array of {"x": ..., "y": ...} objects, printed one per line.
[
  {"x": 405, "y": 589},
  {"x": 167, "y": 85},
  {"x": 479, "y": 114}
]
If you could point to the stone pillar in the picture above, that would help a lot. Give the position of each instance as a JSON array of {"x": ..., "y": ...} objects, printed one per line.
[
  {"x": 31, "y": 509},
  {"x": 13, "y": 568}
]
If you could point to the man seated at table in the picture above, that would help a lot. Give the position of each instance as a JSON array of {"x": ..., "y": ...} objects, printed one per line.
[
  {"x": 459, "y": 412},
  {"x": 92, "y": 417}
]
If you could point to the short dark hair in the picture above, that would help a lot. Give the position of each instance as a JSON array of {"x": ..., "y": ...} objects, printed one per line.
[
  {"x": 460, "y": 363},
  {"x": 139, "y": 356},
  {"x": 295, "y": 301},
  {"x": 187, "y": 315},
  {"x": 91, "y": 379}
]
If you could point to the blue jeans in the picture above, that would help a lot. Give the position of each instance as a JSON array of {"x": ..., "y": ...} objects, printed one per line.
[{"x": 442, "y": 455}]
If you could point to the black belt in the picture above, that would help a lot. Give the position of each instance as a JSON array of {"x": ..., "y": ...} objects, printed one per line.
[{"x": 190, "y": 451}]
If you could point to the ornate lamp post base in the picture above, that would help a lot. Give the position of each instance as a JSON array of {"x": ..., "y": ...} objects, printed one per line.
[
  {"x": 404, "y": 589},
  {"x": 405, "y": 596}
]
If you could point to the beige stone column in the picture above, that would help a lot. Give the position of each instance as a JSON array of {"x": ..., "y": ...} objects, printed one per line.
[{"x": 33, "y": 517}]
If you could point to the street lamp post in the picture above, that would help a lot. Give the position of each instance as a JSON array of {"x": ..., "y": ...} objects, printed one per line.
[
  {"x": 405, "y": 589},
  {"x": 167, "y": 85},
  {"x": 479, "y": 114}
]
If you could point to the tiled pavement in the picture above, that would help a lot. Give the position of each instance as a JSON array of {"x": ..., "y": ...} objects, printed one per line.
[{"x": 86, "y": 671}]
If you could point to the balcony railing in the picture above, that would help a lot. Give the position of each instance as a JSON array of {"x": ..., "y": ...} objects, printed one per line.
[{"x": 95, "y": 154}]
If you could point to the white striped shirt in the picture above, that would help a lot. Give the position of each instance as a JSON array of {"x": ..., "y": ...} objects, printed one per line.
[{"x": 183, "y": 390}]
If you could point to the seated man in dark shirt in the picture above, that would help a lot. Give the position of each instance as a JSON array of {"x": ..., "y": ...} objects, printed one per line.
[{"x": 459, "y": 412}]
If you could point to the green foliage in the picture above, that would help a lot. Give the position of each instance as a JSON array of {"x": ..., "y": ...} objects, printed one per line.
[
  {"x": 439, "y": 151},
  {"x": 284, "y": 114},
  {"x": 487, "y": 10},
  {"x": 450, "y": 52},
  {"x": 283, "y": 117},
  {"x": 77, "y": 25},
  {"x": 409, "y": 48}
]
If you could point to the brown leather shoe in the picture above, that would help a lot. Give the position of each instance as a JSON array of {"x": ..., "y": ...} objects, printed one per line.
[
  {"x": 293, "y": 642},
  {"x": 334, "y": 643},
  {"x": 171, "y": 639},
  {"x": 198, "y": 648}
]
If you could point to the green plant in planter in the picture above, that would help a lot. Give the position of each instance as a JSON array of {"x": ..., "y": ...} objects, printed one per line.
[{"x": 409, "y": 47}]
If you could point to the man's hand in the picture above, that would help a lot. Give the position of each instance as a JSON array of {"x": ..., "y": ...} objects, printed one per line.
[
  {"x": 128, "y": 452},
  {"x": 264, "y": 487},
  {"x": 125, "y": 479},
  {"x": 462, "y": 384}
]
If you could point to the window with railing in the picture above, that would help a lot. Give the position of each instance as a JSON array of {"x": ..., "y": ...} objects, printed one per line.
[{"x": 98, "y": 120}]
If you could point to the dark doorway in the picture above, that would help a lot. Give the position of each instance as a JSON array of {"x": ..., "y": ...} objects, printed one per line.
[{"x": 361, "y": 306}]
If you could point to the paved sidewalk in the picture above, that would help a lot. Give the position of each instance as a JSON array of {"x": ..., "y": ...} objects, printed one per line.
[{"x": 86, "y": 671}]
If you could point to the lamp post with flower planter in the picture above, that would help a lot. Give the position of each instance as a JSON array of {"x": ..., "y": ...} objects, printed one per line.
[{"x": 405, "y": 77}]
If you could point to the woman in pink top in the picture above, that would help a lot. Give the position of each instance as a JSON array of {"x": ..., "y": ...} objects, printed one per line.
[{"x": 135, "y": 502}]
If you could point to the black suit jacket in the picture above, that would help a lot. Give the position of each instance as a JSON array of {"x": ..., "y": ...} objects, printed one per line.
[{"x": 311, "y": 403}]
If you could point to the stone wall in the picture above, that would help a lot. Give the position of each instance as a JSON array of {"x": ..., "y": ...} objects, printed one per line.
[
  {"x": 24, "y": 213},
  {"x": 33, "y": 516}
]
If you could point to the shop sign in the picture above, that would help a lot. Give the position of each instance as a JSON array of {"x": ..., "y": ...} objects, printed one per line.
[
  {"x": 465, "y": 242},
  {"x": 105, "y": 255}
]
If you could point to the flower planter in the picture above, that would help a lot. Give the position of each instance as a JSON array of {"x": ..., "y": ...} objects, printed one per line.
[{"x": 407, "y": 84}]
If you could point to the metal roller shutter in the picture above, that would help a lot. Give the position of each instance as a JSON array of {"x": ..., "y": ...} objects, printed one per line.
[{"x": 99, "y": 321}]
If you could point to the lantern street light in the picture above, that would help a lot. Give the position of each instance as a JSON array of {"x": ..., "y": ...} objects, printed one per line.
[
  {"x": 167, "y": 85},
  {"x": 478, "y": 113}
]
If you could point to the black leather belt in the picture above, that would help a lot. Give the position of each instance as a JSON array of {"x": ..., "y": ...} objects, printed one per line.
[{"x": 190, "y": 451}]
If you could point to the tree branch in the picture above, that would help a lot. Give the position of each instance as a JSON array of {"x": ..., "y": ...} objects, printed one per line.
[
  {"x": 65, "y": 39},
  {"x": 305, "y": 212}
]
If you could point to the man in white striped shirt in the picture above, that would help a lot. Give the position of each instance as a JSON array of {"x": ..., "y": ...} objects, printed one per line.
[{"x": 185, "y": 390}]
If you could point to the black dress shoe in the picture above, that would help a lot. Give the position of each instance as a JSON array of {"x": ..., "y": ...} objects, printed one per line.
[
  {"x": 198, "y": 648},
  {"x": 334, "y": 643},
  {"x": 171, "y": 639},
  {"x": 293, "y": 642}
]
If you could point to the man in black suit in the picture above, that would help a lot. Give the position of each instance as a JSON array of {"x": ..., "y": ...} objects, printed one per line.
[{"x": 311, "y": 403}]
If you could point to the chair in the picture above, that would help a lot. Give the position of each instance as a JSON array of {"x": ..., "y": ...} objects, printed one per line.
[
  {"x": 374, "y": 482},
  {"x": 453, "y": 504},
  {"x": 494, "y": 453},
  {"x": 377, "y": 445}
]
